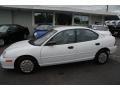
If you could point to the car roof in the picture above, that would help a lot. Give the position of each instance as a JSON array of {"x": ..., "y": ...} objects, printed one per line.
[
  {"x": 10, "y": 25},
  {"x": 98, "y": 25},
  {"x": 62, "y": 28}
]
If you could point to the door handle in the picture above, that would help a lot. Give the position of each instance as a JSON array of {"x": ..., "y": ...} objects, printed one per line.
[
  {"x": 97, "y": 44},
  {"x": 70, "y": 47}
]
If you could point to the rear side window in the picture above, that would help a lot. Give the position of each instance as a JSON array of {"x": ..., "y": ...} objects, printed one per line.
[
  {"x": 85, "y": 35},
  {"x": 12, "y": 28}
]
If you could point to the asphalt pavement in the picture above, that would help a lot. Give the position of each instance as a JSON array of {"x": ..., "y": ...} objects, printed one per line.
[{"x": 80, "y": 73}]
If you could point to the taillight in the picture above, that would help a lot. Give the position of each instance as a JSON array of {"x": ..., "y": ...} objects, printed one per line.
[{"x": 8, "y": 60}]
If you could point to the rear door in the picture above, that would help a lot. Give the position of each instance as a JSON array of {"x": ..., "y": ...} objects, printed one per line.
[
  {"x": 12, "y": 32},
  {"x": 87, "y": 44}
]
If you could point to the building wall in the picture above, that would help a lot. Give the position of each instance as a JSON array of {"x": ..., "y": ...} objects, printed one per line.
[
  {"x": 96, "y": 18},
  {"x": 26, "y": 18},
  {"x": 23, "y": 18},
  {"x": 5, "y": 17}
]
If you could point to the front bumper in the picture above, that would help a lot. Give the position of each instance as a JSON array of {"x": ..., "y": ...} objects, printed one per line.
[{"x": 7, "y": 65}]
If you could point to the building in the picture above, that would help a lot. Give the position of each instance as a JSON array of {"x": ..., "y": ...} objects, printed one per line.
[{"x": 31, "y": 15}]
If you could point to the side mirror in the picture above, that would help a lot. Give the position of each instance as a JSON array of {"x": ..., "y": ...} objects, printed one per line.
[{"x": 51, "y": 43}]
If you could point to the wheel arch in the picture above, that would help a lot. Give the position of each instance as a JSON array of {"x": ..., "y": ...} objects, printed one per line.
[
  {"x": 103, "y": 49},
  {"x": 107, "y": 50},
  {"x": 28, "y": 56}
]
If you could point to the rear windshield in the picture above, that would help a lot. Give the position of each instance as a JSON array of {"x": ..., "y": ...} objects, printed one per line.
[
  {"x": 102, "y": 28},
  {"x": 44, "y": 27}
]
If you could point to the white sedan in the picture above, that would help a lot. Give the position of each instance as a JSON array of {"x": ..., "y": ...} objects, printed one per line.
[{"x": 60, "y": 45}]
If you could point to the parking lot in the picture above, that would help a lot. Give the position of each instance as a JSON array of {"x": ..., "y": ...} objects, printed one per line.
[{"x": 75, "y": 73}]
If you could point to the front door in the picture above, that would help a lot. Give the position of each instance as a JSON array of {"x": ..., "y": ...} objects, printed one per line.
[{"x": 62, "y": 51}]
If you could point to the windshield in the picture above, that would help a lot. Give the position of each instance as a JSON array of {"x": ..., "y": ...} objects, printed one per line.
[
  {"x": 44, "y": 27},
  {"x": 42, "y": 39},
  {"x": 101, "y": 28},
  {"x": 4, "y": 28}
]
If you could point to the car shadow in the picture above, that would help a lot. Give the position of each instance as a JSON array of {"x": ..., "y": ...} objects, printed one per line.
[{"x": 61, "y": 67}]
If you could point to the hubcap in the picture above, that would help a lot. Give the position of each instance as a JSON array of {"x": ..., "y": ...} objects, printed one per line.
[
  {"x": 1, "y": 42},
  {"x": 102, "y": 57},
  {"x": 26, "y": 66}
]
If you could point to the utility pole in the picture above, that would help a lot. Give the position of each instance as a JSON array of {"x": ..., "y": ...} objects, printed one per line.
[{"x": 107, "y": 8}]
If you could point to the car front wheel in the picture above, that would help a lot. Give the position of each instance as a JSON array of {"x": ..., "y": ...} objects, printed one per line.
[
  {"x": 102, "y": 57},
  {"x": 26, "y": 65}
]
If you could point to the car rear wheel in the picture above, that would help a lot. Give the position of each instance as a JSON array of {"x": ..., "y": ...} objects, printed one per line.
[
  {"x": 102, "y": 57},
  {"x": 2, "y": 42},
  {"x": 26, "y": 65}
]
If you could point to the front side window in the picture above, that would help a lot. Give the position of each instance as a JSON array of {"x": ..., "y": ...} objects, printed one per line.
[
  {"x": 64, "y": 37},
  {"x": 85, "y": 35},
  {"x": 12, "y": 28}
]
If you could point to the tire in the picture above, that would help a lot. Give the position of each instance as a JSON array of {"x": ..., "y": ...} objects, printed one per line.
[
  {"x": 2, "y": 42},
  {"x": 26, "y": 65},
  {"x": 102, "y": 57}
]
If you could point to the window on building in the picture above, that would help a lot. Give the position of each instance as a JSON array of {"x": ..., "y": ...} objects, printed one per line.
[
  {"x": 43, "y": 18},
  {"x": 81, "y": 20},
  {"x": 63, "y": 19}
]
